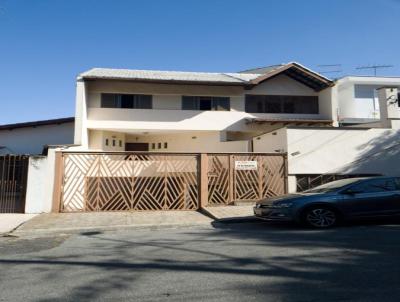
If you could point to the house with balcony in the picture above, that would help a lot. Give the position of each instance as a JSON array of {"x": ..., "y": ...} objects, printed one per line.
[
  {"x": 358, "y": 100},
  {"x": 172, "y": 111}
]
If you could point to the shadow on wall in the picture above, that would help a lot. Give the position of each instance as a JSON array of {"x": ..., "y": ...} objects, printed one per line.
[{"x": 380, "y": 155}]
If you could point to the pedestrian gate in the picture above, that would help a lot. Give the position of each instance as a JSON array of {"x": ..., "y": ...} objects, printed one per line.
[{"x": 13, "y": 177}]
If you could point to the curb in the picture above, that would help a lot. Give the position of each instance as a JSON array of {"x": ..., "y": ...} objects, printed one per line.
[
  {"x": 77, "y": 230},
  {"x": 228, "y": 219}
]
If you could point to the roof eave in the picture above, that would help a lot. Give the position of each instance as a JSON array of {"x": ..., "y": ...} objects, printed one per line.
[
  {"x": 325, "y": 82},
  {"x": 158, "y": 81}
]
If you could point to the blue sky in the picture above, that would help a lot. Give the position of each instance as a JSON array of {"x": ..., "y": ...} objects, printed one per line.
[{"x": 45, "y": 44}]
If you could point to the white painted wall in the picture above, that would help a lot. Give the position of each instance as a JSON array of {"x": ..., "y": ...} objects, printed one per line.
[
  {"x": 275, "y": 141},
  {"x": 330, "y": 151},
  {"x": 357, "y": 96},
  {"x": 40, "y": 183},
  {"x": 336, "y": 151},
  {"x": 98, "y": 140},
  {"x": 128, "y": 120},
  {"x": 344, "y": 151},
  {"x": 30, "y": 140},
  {"x": 190, "y": 142}
]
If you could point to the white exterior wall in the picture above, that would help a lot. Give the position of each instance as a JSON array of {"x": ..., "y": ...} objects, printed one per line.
[
  {"x": 357, "y": 96},
  {"x": 98, "y": 141},
  {"x": 81, "y": 129},
  {"x": 30, "y": 140},
  {"x": 275, "y": 141},
  {"x": 330, "y": 151},
  {"x": 190, "y": 142},
  {"x": 336, "y": 151},
  {"x": 40, "y": 183},
  {"x": 344, "y": 151}
]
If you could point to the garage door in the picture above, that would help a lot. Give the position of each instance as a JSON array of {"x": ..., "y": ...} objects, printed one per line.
[{"x": 129, "y": 181}]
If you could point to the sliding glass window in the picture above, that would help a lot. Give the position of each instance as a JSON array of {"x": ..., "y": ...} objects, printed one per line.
[
  {"x": 281, "y": 104},
  {"x": 211, "y": 103},
  {"x": 131, "y": 101}
]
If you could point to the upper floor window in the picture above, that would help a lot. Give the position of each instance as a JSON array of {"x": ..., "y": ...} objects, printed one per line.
[
  {"x": 132, "y": 101},
  {"x": 281, "y": 104},
  {"x": 206, "y": 103}
]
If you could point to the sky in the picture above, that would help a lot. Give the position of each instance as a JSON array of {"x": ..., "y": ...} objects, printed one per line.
[{"x": 45, "y": 44}]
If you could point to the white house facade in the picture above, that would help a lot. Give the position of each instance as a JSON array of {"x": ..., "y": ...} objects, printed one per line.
[
  {"x": 132, "y": 110},
  {"x": 229, "y": 136}
]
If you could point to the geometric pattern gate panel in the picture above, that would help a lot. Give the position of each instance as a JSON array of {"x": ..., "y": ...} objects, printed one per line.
[
  {"x": 218, "y": 176},
  {"x": 245, "y": 177},
  {"x": 264, "y": 176},
  {"x": 129, "y": 182}
]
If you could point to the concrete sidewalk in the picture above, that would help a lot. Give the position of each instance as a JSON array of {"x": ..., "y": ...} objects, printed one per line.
[
  {"x": 76, "y": 222},
  {"x": 9, "y": 222},
  {"x": 230, "y": 213}
]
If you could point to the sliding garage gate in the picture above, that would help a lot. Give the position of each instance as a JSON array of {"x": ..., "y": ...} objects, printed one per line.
[{"x": 132, "y": 181}]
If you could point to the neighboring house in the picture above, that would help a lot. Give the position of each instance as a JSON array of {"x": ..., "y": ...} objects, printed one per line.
[
  {"x": 139, "y": 110},
  {"x": 357, "y": 98},
  {"x": 316, "y": 151},
  {"x": 32, "y": 137}
]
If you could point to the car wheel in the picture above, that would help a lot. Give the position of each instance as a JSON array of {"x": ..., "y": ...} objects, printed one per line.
[{"x": 320, "y": 217}]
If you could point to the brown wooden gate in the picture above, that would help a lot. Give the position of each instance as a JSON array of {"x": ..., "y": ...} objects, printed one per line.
[
  {"x": 245, "y": 177},
  {"x": 129, "y": 181},
  {"x": 126, "y": 181},
  {"x": 13, "y": 178}
]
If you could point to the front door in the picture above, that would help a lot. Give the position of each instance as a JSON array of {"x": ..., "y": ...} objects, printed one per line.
[{"x": 136, "y": 147}]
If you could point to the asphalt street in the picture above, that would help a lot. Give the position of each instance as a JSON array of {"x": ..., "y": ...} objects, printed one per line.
[{"x": 223, "y": 262}]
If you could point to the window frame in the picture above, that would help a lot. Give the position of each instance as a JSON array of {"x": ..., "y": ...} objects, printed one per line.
[
  {"x": 121, "y": 101},
  {"x": 279, "y": 104},
  {"x": 193, "y": 102}
]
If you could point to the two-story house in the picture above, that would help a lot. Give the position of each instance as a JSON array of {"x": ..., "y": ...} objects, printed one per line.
[{"x": 144, "y": 110}]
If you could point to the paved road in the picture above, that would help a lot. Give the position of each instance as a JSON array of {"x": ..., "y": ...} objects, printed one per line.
[{"x": 229, "y": 262}]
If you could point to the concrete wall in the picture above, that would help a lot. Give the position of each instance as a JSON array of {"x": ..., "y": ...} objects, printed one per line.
[
  {"x": 275, "y": 141},
  {"x": 40, "y": 183},
  {"x": 30, "y": 140},
  {"x": 330, "y": 151},
  {"x": 336, "y": 151}
]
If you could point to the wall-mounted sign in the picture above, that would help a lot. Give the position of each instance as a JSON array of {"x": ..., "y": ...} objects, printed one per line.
[{"x": 245, "y": 165}]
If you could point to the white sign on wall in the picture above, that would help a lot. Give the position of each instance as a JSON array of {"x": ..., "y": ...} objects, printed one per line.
[{"x": 245, "y": 165}]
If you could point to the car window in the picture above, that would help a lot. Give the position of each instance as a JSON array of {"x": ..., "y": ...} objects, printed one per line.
[
  {"x": 397, "y": 181},
  {"x": 376, "y": 185},
  {"x": 332, "y": 186}
]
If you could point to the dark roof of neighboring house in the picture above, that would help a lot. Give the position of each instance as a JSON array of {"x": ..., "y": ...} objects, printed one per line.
[
  {"x": 38, "y": 123},
  {"x": 247, "y": 78}
]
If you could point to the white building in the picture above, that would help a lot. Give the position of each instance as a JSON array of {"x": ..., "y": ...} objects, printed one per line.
[
  {"x": 357, "y": 98},
  {"x": 130, "y": 110},
  {"x": 33, "y": 137}
]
